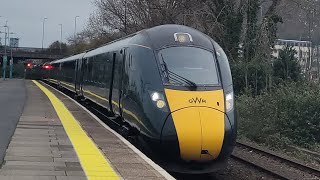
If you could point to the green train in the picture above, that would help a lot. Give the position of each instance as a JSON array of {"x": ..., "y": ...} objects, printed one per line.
[{"x": 170, "y": 86}]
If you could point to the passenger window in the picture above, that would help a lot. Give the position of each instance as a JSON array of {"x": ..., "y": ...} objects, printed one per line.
[{"x": 224, "y": 65}]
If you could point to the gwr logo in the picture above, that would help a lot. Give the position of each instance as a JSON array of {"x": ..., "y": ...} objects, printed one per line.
[{"x": 197, "y": 101}]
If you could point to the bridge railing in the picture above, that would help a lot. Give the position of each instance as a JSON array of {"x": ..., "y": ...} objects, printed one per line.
[{"x": 44, "y": 51}]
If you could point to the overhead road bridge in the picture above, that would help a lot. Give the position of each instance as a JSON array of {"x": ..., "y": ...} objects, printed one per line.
[{"x": 24, "y": 53}]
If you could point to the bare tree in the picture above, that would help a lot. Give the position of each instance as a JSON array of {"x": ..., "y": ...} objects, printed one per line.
[
  {"x": 221, "y": 19},
  {"x": 128, "y": 16}
]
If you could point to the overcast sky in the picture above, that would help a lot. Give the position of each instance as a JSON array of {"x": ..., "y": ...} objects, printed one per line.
[{"x": 25, "y": 18}]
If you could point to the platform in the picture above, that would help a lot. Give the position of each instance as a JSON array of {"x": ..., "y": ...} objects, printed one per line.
[
  {"x": 56, "y": 139},
  {"x": 12, "y": 100}
]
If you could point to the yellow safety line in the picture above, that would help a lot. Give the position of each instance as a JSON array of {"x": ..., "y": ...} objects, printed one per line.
[
  {"x": 67, "y": 84},
  {"x": 113, "y": 102},
  {"x": 92, "y": 160}
]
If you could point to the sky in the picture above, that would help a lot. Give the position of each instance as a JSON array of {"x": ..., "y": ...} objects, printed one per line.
[{"x": 25, "y": 19}]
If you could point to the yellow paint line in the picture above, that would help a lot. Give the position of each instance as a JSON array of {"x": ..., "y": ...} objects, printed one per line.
[
  {"x": 92, "y": 160},
  {"x": 116, "y": 104},
  {"x": 69, "y": 85},
  {"x": 97, "y": 96},
  {"x": 113, "y": 102}
]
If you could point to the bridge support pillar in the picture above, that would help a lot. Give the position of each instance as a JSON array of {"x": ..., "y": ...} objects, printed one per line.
[
  {"x": 11, "y": 67},
  {"x": 4, "y": 66}
]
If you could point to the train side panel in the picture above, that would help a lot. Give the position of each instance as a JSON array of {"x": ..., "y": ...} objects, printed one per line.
[{"x": 97, "y": 78}]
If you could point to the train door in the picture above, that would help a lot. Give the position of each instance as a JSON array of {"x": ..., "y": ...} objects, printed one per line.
[
  {"x": 78, "y": 77},
  {"x": 115, "y": 91},
  {"x": 121, "y": 79},
  {"x": 59, "y": 74}
]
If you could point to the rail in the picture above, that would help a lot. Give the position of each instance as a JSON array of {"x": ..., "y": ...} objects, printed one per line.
[{"x": 275, "y": 157}]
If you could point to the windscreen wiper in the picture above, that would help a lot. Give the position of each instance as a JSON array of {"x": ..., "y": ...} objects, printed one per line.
[{"x": 177, "y": 78}]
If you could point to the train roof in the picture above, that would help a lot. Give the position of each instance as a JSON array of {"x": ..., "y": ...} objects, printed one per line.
[
  {"x": 164, "y": 35},
  {"x": 71, "y": 58},
  {"x": 114, "y": 45},
  {"x": 154, "y": 38}
]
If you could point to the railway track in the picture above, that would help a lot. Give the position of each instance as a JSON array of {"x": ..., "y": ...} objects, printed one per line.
[{"x": 276, "y": 165}]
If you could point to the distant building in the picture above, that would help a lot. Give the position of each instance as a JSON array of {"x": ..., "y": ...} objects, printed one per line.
[
  {"x": 304, "y": 51},
  {"x": 315, "y": 70}
]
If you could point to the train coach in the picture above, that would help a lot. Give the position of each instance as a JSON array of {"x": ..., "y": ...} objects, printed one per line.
[{"x": 170, "y": 86}]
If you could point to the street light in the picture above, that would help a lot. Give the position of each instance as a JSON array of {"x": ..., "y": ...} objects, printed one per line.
[
  {"x": 75, "y": 26},
  {"x": 11, "y": 58},
  {"x": 0, "y": 18},
  {"x": 75, "y": 31},
  {"x": 44, "y": 20},
  {"x": 125, "y": 17},
  {"x": 5, "y": 52},
  {"x": 7, "y": 36},
  {"x": 60, "y": 37},
  {"x": 0, "y": 32}
]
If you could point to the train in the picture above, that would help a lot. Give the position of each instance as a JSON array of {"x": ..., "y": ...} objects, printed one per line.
[{"x": 170, "y": 86}]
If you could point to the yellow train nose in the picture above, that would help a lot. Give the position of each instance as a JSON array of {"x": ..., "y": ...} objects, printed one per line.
[
  {"x": 198, "y": 117},
  {"x": 200, "y": 132}
]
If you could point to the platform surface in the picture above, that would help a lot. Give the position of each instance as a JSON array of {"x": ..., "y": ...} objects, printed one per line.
[
  {"x": 12, "y": 99},
  {"x": 47, "y": 145}
]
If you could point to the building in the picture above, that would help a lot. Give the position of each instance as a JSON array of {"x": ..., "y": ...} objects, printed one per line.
[{"x": 304, "y": 51}]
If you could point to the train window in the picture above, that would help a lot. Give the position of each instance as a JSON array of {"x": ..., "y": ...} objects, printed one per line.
[
  {"x": 224, "y": 65},
  {"x": 194, "y": 64}
]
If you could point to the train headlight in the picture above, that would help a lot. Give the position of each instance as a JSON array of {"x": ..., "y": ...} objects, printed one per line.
[
  {"x": 229, "y": 101},
  {"x": 183, "y": 37},
  {"x": 158, "y": 99},
  {"x": 161, "y": 104},
  {"x": 155, "y": 96}
]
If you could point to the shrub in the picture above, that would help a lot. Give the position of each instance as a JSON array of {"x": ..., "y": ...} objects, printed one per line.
[
  {"x": 288, "y": 114},
  {"x": 17, "y": 71}
]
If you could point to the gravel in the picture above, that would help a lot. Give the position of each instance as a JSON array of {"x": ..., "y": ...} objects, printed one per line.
[{"x": 234, "y": 171}]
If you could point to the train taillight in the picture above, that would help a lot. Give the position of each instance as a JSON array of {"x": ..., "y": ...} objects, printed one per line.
[
  {"x": 29, "y": 65},
  {"x": 47, "y": 66}
]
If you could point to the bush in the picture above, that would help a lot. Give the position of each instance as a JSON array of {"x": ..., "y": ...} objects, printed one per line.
[
  {"x": 17, "y": 71},
  {"x": 289, "y": 114}
]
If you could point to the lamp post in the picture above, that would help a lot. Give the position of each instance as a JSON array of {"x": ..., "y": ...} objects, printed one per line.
[
  {"x": 75, "y": 26},
  {"x": 11, "y": 58},
  {"x": 44, "y": 20},
  {"x": 125, "y": 16},
  {"x": 75, "y": 31},
  {"x": 60, "y": 38},
  {"x": 5, "y": 52},
  {"x": 4, "y": 59},
  {"x": 0, "y": 33}
]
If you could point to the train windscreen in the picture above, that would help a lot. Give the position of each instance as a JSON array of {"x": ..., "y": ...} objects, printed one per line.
[{"x": 188, "y": 66}]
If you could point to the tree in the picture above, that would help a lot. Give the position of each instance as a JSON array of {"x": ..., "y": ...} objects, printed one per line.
[
  {"x": 286, "y": 66},
  {"x": 58, "y": 47},
  {"x": 128, "y": 16},
  {"x": 265, "y": 38},
  {"x": 257, "y": 40},
  {"x": 222, "y": 19}
]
